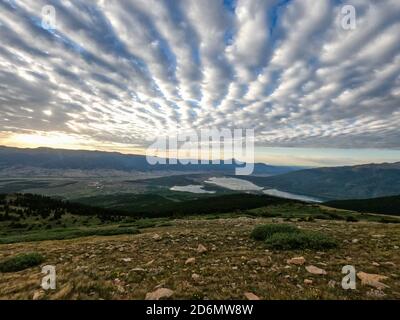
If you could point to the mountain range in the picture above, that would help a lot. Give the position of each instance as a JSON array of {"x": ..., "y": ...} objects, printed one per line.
[
  {"x": 48, "y": 158},
  {"x": 329, "y": 183},
  {"x": 347, "y": 182}
]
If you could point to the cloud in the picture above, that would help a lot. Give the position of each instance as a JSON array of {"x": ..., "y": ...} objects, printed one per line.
[{"x": 123, "y": 72}]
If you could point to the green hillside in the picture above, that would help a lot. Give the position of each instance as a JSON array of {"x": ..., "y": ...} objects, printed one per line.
[{"x": 382, "y": 205}]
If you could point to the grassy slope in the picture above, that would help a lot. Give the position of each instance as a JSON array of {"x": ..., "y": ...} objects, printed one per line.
[
  {"x": 384, "y": 205},
  {"x": 93, "y": 268},
  {"x": 69, "y": 225}
]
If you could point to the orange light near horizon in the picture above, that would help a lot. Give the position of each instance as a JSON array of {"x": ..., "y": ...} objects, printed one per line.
[
  {"x": 53, "y": 140},
  {"x": 59, "y": 140}
]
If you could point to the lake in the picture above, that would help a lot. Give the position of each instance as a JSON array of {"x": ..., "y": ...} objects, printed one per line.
[
  {"x": 288, "y": 195},
  {"x": 191, "y": 189},
  {"x": 234, "y": 184}
]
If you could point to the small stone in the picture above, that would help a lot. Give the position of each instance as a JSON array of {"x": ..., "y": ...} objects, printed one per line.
[
  {"x": 126, "y": 259},
  {"x": 251, "y": 296},
  {"x": 190, "y": 261},
  {"x": 315, "y": 270},
  {"x": 396, "y": 247},
  {"x": 253, "y": 262},
  {"x": 264, "y": 262},
  {"x": 389, "y": 263},
  {"x": 376, "y": 293},
  {"x": 138, "y": 270},
  {"x": 308, "y": 281},
  {"x": 38, "y": 295},
  {"x": 159, "y": 294},
  {"x": 63, "y": 292},
  {"x": 376, "y": 264},
  {"x": 355, "y": 240},
  {"x": 201, "y": 249},
  {"x": 332, "y": 283},
  {"x": 156, "y": 237},
  {"x": 297, "y": 261},
  {"x": 195, "y": 277},
  {"x": 149, "y": 263}
]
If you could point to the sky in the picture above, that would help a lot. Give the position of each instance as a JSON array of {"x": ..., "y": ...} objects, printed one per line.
[{"x": 114, "y": 75}]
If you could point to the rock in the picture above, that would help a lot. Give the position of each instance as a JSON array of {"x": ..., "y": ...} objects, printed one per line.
[
  {"x": 389, "y": 263},
  {"x": 195, "y": 277},
  {"x": 332, "y": 283},
  {"x": 126, "y": 259},
  {"x": 156, "y": 237},
  {"x": 149, "y": 263},
  {"x": 376, "y": 264},
  {"x": 355, "y": 240},
  {"x": 376, "y": 293},
  {"x": 251, "y": 296},
  {"x": 201, "y": 249},
  {"x": 190, "y": 261},
  {"x": 264, "y": 261},
  {"x": 253, "y": 262},
  {"x": 159, "y": 294},
  {"x": 38, "y": 295},
  {"x": 63, "y": 292},
  {"x": 297, "y": 261},
  {"x": 396, "y": 247},
  {"x": 308, "y": 281},
  {"x": 315, "y": 270},
  {"x": 372, "y": 280}
]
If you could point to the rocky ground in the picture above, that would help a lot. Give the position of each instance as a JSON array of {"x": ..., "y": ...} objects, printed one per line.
[{"x": 212, "y": 259}]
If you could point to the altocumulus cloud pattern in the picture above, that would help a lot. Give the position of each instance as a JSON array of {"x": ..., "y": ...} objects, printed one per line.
[{"x": 122, "y": 72}]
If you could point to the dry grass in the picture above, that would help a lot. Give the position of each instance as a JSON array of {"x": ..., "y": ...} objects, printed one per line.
[{"x": 92, "y": 268}]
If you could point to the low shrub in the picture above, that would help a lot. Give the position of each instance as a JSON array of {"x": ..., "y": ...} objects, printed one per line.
[
  {"x": 21, "y": 262},
  {"x": 351, "y": 219},
  {"x": 265, "y": 231},
  {"x": 389, "y": 220},
  {"x": 300, "y": 240}
]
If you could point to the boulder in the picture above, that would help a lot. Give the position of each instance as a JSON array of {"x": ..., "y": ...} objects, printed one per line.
[
  {"x": 372, "y": 280},
  {"x": 159, "y": 294},
  {"x": 296, "y": 260},
  {"x": 251, "y": 296},
  {"x": 316, "y": 270},
  {"x": 201, "y": 249}
]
